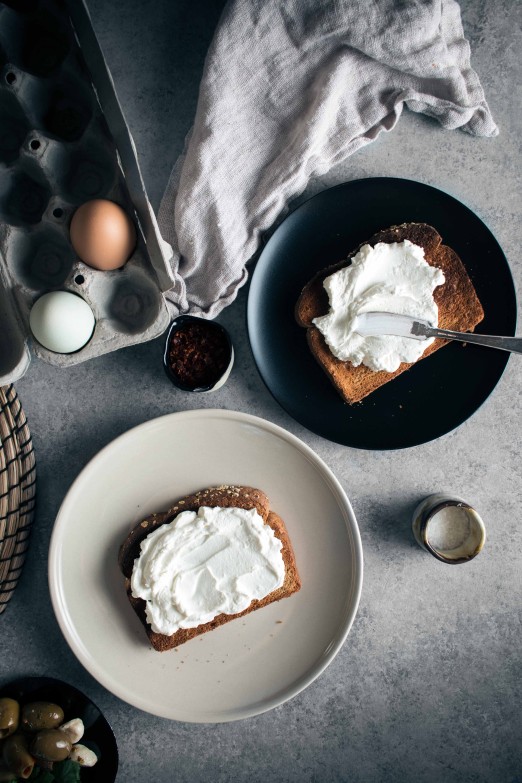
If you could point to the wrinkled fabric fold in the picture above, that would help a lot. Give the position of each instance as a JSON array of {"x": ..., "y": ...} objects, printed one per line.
[{"x": 289, "y": 90}]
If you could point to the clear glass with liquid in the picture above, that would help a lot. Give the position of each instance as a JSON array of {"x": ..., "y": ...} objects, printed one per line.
[{"x": 449, "y": 528}]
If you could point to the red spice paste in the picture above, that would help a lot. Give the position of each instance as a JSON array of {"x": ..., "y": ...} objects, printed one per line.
[{"x": 198, "y": 354}]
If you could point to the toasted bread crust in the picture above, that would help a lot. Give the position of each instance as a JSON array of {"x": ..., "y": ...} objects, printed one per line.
[
  {"x": 225, "y": 496},
  {"x": 459, "y": 309}
]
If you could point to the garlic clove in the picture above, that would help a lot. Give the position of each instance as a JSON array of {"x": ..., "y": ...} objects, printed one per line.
[
  {"x": 73, "y": 729},
  {"x": 84, "y": 756}
]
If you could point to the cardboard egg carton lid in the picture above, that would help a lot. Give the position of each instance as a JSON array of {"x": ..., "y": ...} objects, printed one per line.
[{"x": 53, "y": 158}]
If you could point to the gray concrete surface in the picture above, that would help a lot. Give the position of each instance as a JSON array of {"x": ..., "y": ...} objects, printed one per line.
[{"x": 427, "y": 688}]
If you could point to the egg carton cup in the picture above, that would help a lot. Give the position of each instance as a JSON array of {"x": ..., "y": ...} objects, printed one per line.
[{"x": 63, "y": 142}]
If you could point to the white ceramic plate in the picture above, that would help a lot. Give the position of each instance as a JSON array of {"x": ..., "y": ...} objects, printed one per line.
[{"x": 247, "y": 666}]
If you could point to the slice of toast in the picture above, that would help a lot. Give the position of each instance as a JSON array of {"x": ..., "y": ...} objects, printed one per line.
[
  {"x": 224, "y": 496},
  {"x": 458, "y": 303}
]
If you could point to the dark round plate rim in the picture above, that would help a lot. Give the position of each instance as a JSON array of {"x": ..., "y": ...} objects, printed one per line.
[
  {"x": 387, "y": 201},
  {"x": 23, "y": 687}
]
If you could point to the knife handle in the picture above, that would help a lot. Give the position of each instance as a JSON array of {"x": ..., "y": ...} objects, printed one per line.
[{"x": 513, "y": 344}]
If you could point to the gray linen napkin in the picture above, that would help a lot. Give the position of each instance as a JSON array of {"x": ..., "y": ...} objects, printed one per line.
[{"x": 290, "y": 88}]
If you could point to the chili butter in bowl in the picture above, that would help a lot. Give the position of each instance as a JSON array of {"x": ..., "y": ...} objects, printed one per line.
[{"x": 198, "y": 354}]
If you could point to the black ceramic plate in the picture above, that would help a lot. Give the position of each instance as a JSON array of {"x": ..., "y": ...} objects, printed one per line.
[
  {"x": 98, "y": 733},
  {"x": 436, "y": 394}
]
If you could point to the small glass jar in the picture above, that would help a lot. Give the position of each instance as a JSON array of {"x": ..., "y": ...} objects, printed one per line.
[
  {"x": 199, "y": 354},
  {"x": 448, "y": 528}
]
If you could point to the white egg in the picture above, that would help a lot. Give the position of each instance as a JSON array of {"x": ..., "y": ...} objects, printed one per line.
[{"x": 62, "y": 321}]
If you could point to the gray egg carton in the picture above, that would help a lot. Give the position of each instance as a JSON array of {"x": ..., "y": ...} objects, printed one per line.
[{"x": 64, "y": 141}]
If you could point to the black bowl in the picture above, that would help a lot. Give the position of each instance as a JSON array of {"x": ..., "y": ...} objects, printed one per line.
[{"x": 98, "y": 736}]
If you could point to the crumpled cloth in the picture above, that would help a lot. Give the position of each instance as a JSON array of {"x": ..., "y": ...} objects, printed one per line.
[{"x": 289, "y": 89}]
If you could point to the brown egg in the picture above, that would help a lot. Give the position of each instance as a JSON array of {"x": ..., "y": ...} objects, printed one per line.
[{"x": 102, "y": 234}]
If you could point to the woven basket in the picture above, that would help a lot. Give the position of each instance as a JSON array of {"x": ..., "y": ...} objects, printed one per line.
[{"x": 17, "y": 491}]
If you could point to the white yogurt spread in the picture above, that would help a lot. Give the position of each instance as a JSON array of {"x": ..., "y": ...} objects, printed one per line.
[
  {"x": 205, "y": 563},
  {"x": 392, "y": 278}
]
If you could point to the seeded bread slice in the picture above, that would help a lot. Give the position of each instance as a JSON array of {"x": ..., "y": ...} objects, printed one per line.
[
  {"x": 224, "y": 496},
  {"x": 458, "y": 303}
]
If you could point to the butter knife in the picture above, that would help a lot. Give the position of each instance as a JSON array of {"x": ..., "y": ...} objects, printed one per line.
[{"x": 373, "y": 323}]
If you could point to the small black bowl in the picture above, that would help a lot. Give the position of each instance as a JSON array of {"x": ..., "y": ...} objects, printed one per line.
[
  {"x": 221, "y": 351},
  {"x": 98, "y": 736}
]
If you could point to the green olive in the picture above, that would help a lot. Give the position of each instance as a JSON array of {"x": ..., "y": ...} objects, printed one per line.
[
  {"x": 51, "y": 745},
  {"x": 16, "y": 756},
  {"x": 41, "y": 715},
  {"x": 9, "y": 716}
]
